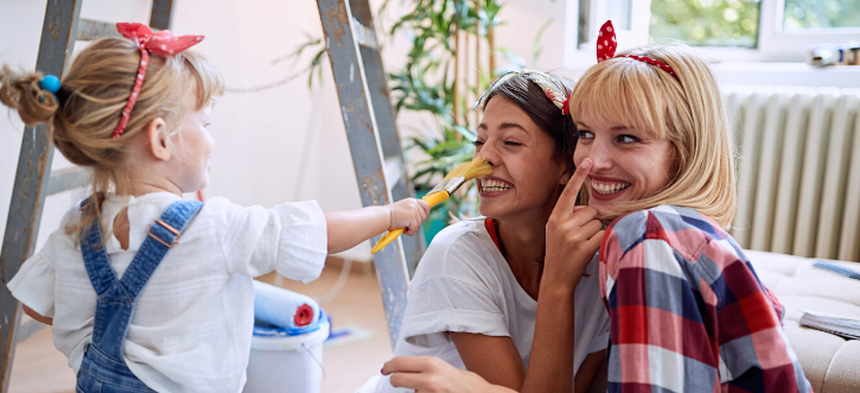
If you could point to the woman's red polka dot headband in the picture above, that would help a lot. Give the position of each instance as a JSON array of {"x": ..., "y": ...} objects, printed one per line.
[{"x": 606, "y": 45}]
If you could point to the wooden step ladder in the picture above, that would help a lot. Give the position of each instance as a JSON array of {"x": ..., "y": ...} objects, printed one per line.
[
  {"x": 353, "y": 49},
  {"x": 34, "y": 180}
]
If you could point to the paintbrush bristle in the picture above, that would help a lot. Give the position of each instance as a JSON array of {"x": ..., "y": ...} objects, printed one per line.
[{"x": 472, "y": 169}]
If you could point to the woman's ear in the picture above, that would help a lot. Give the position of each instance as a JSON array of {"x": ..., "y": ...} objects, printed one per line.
[
  {"x": 155, "y": 133},
  {"x": 564, "y": 179},
  {"x": 565, "y": 176}
]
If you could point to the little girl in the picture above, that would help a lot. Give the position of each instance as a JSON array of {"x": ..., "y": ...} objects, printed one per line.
[{"x": 147, "y": 292}]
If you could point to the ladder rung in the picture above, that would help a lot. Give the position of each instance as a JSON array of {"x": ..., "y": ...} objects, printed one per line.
[
  {"x": 364, "y": 35},
  {"x": 28, "y": 329},
  {"x": 67, "y": 179},
  {"x": 90, "y": 30}
]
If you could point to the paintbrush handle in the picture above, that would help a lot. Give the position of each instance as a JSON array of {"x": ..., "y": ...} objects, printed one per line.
[{"x": 432, "y": 199}]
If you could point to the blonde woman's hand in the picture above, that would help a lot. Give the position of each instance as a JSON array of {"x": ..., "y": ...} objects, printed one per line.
[
  {"x": 573, "y": 234},
  {"x": 408, "y": 213},
  {"x": 433, "y": 375}
]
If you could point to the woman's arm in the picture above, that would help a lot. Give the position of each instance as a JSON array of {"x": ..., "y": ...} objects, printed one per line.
[
  {"x": 573, "y": 236},
  {"x": 434, "y": 375},
  {"x": 497, "y": 360},
  {"x": 494, "y": 359},
  {"x": 588, "y": 370}
]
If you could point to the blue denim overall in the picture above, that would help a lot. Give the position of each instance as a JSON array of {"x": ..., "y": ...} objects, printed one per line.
[{"x": 103, "y": 369}]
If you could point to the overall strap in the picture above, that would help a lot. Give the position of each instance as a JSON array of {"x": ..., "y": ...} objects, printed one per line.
[
  {"x": 162, "y": 236},
  {"x": 96, "y": 260}
]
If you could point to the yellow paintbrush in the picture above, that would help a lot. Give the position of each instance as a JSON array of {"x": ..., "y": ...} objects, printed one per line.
[{"x": 459, "y": 176}]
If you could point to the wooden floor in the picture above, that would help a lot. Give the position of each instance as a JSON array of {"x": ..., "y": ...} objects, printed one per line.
[{"x": 39, "y": 367}]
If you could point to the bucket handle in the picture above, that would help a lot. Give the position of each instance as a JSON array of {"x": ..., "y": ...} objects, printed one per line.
[{"x": 319, "y": 363}]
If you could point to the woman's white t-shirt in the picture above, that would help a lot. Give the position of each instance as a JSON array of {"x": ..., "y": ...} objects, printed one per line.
[
  {"x": 192, "y": 325},
  {"x": 464, "y": 284}
]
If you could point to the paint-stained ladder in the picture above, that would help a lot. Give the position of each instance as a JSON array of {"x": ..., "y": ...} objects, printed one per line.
[{"x": 360, "y": 77}]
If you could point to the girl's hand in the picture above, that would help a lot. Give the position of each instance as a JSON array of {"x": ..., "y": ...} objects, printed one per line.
[
  {"x": 408, "y": 213},
  {"x": 434, "y": 375},
  {"x": 573, "y": 235}
]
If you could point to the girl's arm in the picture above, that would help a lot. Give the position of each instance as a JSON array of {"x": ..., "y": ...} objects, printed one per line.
[
  {"x": 346, "y": 229},
  {"x": 29, "y": 311}
]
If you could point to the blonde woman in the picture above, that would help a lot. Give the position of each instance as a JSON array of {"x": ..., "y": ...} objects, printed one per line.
[{"x": 687, "y": 309}]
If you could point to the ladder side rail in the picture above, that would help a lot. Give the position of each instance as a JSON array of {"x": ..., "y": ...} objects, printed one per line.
[
  {"x": 389, "y": 138},
  {"x": 162, "y": 14},
  {"x": 31, "y": 178},
  {"x": 361, "y": 130}
]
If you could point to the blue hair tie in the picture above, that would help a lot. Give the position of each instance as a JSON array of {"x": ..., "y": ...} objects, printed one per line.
[{"x": 51, "y": 83}]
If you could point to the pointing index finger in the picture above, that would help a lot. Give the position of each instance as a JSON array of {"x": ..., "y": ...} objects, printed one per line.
[{"x": 567, "y": 200}]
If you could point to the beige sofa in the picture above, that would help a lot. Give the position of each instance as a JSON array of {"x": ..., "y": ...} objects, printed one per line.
[{"x": 831, "y": 363}]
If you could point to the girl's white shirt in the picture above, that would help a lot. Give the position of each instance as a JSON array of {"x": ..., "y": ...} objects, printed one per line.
[{"x": 192, "y": 325}]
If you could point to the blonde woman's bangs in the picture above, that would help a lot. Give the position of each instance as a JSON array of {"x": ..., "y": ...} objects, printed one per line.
[{"x": 620, "y": 91}]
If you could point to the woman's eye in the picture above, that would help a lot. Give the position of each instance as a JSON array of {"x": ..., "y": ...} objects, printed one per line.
[
  {"x": 628, "y": 139},
  {"x": 512, "y": 143},
  {"x": 478, "y": 143},
  {"x": 585, "y": 134}
]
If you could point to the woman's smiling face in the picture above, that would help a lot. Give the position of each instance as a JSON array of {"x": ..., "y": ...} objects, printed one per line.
[
  {"x": 526, "y": 175},
  {"x": 629, "y": 164}
]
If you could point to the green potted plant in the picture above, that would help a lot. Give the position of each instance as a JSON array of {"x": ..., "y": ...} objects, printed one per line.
[{"x": 447, "y": 37}]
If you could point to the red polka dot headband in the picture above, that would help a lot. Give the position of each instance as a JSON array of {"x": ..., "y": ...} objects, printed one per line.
[
  {"x": 162, "y": 43},
  {"x": 606, "y": 45}
]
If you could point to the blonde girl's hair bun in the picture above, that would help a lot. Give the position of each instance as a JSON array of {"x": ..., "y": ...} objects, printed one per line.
[{"x": 23, "y": 92}]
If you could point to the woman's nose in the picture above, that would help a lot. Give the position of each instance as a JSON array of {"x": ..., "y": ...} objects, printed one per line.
[
  {"x": 601, "y": 156},
  {"x": 489, "y": 154}
]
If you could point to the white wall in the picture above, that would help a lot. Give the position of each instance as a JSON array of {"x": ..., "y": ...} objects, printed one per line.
[{"x": 284, "y": 144}]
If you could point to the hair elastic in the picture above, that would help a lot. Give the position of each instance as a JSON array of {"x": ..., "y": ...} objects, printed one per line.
[{"x": 52, "y": 84}]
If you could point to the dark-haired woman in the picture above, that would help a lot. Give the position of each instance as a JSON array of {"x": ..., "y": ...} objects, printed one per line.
[{"x": 487, "y": 296}]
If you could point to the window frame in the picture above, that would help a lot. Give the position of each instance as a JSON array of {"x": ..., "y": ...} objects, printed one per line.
[
  {"x": 779, "y": 44},
  {"x": 774, "y": 43}
]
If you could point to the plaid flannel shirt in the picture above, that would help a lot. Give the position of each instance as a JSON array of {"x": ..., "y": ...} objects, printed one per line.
[{"x": 688, "y": 312}]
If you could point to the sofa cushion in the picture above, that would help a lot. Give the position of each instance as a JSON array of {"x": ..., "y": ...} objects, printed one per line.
[{"x": 830, "y": 362}]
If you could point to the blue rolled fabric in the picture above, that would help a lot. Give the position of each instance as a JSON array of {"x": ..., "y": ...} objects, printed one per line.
[{"x": 282, "y": 308}]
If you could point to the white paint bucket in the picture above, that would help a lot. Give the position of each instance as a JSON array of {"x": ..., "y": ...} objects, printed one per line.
[{"x": 287, "y": 361}]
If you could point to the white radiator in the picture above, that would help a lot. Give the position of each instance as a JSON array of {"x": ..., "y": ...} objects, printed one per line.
[{"x": 798, "y": 169}]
